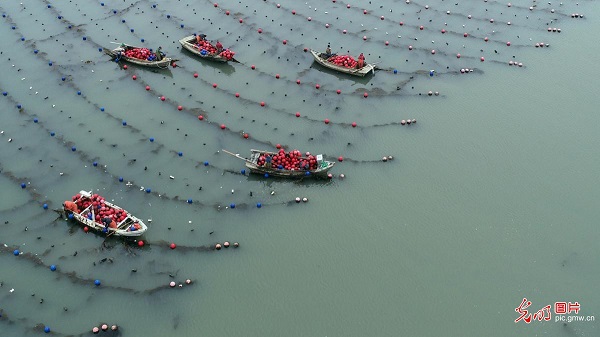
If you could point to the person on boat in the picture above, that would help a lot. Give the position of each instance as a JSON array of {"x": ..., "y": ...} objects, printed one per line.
[
  {"x": 327, "y": 53},
  {"x": 200, "y": 38},
  {"x": 70, "y": 206},
  {"x": 159, "y": 54},
  {"x": 106, "y": 221},
  {"x": 361, "y": 61},
  {"x": 219, "y": 47},
  {"x": 268, "y": 160}
]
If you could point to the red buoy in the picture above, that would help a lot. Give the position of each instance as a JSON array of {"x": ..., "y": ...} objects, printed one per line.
[
  {"x": 277, "y": 76},
  {"x": 353, "y": 124},
  {"x": 162, "y": 98},
  {"x": 326, "y": 120},
  {"x": 298, "y": 81},
  {"x": 196, "y": 75},
  {"x": 141, "y": 243},
  {"x": 200, "y": 117},
  {"x": 134, "y": 77},
  {"x": 317, "y": 86},
  {"x": 237, "y": 94},
  {"x": 365, "y": 95},
  {"x": 124, "y": 66},
  {"x": 260, "y": 31},
  {"x": 214, "y": 85},
  {"x": 246, "y": 135},
  {"x": 278, "y": 146},
  {"x": 421, "y": 28},
  {"x": 253, "y": 67},
  {"x": 227, "y": 13},
  {"x": 284, "y": 41},
  {"x": 173, "y": 246},
  {"x": 340, "y": 158},
  {"x": 179, "y": 108},
  {"x": 86, "y": 229},
  {"x": 262, "y": 103},
  {"x": 338, "y": 91},
  {"x": 297, "y": 114},
  {"x": 482, "y": 59},
  {"x": 222, "y": 126},
  {"x": 241, "y": 21},
  {"x": 147, "y": 88},
  {"x": 215, "y": 4},
  {"x": 293, "y": 12}
]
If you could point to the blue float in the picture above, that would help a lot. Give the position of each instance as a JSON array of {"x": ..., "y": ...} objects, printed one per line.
[
  {"x": 95, "y": 163},
  {"x": 243, "y": 171},
  {"x": 100, "y": 49},
  {"x": 53, "y": 267},
  {"x": 395, "y": 71},
  {"x": 206, "y": 164},
  {"x": 16, "y": 252},
  {"x": 151, "y": 139},
  {"x": 132, "y": 30},
  {"x": 153, "y": 6},
  {"x": 102, "y": 108},
  {"x": 19, "y": 106},
  {"x": 182, "y": 25},
  {"x": 47, "y": 329},
  {"x": 70, "y": 26},
  {"x": 63, "y": 78},
  {"x": 148, "y": 190},
  {"x": 307, "y": 173},
  {"x": 23, "y": 185},
  {"x": 3, "y": 15},
  {"x": 102, "y": 4},
  {"x": 232, "y": 205},
  {"x": 142, "y": 40},
  {"x": 266, "y": 175},
  {"x": 123, "y": 20},
  {"x": 114, "y": 11},
  {"x": 79, "y": 93},
  {"x": 431, "y": 73},
  {"x": 49, "y": 6},
  {"x": 4, "y": 93},
  {"x": 190, "y": 201},
  {"x": 45, "y": 206},
  {"x": 280, "y": 167},
  {"x": 124, "y": 123},
  {"x": 97, "y": 282},
  {"x": 259, "y": 205},
  {"x": 89, "y": 216},
  {"x": 35, "y": 51},
  {"x": 22, "y": 39},
  {"x": 59, "y": 17},
  {"x": 180, "y": 154},
  {"x": 52, "y": 134},
  {"x": 120, "y": 179},
  {"x": 13, "y": 27},
  {"x": 168, "y": 16},
  {"x": 70, "y": 216},
  {"x": 50, "y": 64},
  {"x": 73, "y": 148},
  {"x": 35, "y": 120}
]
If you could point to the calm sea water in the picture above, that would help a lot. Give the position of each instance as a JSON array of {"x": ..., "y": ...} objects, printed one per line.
[{"x": 491, "y": 197}]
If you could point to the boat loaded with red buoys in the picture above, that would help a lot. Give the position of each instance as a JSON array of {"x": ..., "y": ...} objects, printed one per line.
[
  {"x": 285, "y": 164},
  {"x": 94, "y": 212}
]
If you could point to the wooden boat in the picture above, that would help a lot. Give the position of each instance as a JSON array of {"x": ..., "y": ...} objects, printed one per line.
[
  {"x": 321, "y": 171},
  {"x": 188, "y": 43},
  {"x": 124, "y": 228},
  {"x": 117, "y": 54},
  {"x": 355, "y": 72}
]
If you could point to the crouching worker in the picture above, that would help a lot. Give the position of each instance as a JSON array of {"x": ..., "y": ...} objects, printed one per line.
[{"x": 70, "y": 206}]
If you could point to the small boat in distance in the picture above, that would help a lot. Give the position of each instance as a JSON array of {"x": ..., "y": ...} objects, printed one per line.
[
  {"x": 316, "y": 166},
  {"x": 350, "y": 71},
  {"x": 91, "y": 209},
  {"x": 119, "y": 54}
]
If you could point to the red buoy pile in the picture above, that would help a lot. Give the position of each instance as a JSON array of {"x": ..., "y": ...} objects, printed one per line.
[
  {"x": 343, "y": 61},
  {"x": 210, "y": 49},
  {"x": 292, "y": 160},
  {"x": 101, "y": 210},
  {"x": 227, "y": 54},
  {"x": 140, "y": 53}
]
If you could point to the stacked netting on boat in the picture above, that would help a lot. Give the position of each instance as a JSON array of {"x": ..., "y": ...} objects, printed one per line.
[
  {"x": 346, "y": 61},
  {"x": 101, "y": 209},
  {"x": 292, "y": 160}
]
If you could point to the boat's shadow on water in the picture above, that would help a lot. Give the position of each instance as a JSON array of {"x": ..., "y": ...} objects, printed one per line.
[
  {"x": 342, "y": 76},
  {"x": 224, "y": 67},
  {"x": 310, "y": 180}
]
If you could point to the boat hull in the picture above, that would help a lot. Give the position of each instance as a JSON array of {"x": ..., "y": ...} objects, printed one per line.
[
  {"x": 188, "y": 43},
  {"x": 354, "y": 72},
  {"x": 123, "y": 228},
  {"x": 162, "y": 64}
]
